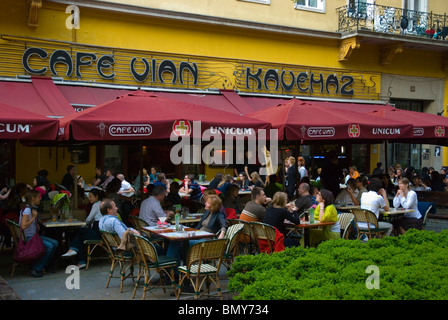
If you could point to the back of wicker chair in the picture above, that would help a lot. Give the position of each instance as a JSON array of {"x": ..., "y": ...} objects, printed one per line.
[
  {"x": 263, "y": 231},
  {"x": 146, "y": 250},
  {"x": 232, "y": 248},
  {"x": 345, "y": 220}
]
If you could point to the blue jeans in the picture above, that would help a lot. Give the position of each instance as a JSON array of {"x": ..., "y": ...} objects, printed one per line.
[{"x": 50, "y": 248}]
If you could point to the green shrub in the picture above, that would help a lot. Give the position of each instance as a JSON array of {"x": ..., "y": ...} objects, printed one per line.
[{"x": 411, "y": 267}]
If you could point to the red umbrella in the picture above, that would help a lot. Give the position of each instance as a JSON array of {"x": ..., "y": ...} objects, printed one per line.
[
  {"x": 307, "y": 121},
  {"x": 425, "y": 126},
  {"x": 19, "y": 124},
  {"x": 141, "y": 115}
]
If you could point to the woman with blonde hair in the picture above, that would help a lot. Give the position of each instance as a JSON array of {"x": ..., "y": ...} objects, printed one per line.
[
  {"x": 255, "y": 180},
  {"x": 277, "y": 213}
]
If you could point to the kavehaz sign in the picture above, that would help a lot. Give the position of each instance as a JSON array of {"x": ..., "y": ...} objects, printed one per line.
[{"x": 157, "y": 70}]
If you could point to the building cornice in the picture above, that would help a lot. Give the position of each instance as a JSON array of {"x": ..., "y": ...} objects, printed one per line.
[{"x": 200, "y": 19}]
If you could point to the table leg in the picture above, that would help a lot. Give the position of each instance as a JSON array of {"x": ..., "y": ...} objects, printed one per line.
[{"x": 306, "y": 237}]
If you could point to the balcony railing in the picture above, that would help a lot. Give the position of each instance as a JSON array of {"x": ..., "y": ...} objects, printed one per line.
[{"x": 390, "y": 20}]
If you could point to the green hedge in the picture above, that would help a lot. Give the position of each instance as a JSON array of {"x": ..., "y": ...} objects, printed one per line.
[{"x": 411, "y": 267}]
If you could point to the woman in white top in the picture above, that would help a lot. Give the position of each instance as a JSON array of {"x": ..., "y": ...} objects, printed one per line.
[{"x": 407, "y": 198}]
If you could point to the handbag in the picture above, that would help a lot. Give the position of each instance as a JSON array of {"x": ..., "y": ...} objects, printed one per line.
[{"x": 30, "y": 251}]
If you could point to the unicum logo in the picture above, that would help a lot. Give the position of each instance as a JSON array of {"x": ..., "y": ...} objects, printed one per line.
[
  {"x": 14, "y": 128},
  {"x": 386, "y": 131}
]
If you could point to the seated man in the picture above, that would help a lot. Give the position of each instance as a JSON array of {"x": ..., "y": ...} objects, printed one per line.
[
  {"x": 373, "y": 200},
  {"x": 305, "y": 200},
  {"x": 255, "y": 209},
  {"x": 109, "y": 221},
  {"x": 151, "y": 208},
  {"x": 126, "y": 189},
  {"x": 191, "y": 187}
]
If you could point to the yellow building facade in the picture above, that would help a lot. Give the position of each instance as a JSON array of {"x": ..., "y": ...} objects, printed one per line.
[{"x": 258, "y": 48}]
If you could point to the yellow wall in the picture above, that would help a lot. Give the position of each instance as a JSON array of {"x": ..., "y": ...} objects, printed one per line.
[{"x": 29, "y": 160}]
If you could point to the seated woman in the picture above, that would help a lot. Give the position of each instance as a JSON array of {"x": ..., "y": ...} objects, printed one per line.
[
  {"x": 91, "y": 230},
  {"x": 277, "y": 213},
  {"x": 243, "y": 182},
  {"x": 29, "y": 225},
  {"x": 232, "y": 200},
  {"x": 39, "y": 185},
  {"x": 225, "y": 183},
  {"x": 325, "y": 212},
  {"x": 407, "y": 199},
  {"x": 255, "y": 180},
  {"x": 213, "y": 220}
]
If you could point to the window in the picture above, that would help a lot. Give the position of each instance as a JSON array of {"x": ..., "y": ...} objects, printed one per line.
[
  {"x": 311, "y": 5},
  {"x": 361, "y": 8},
  {"x": 417, "y": 5}
]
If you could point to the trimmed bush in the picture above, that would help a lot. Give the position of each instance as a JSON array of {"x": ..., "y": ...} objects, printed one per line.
[{"x": 410, "y": 267}]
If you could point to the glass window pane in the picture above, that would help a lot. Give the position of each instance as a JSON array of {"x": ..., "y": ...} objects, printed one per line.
[{"x": 312, "y": 3}]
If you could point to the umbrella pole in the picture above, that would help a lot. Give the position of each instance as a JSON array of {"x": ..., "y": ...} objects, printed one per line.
[
  {"x": 385, "y": 156},
  {"x": 297, "y": 166},
  {"x": 75, "y": 154},
  {"x": 141, "y": 170}
]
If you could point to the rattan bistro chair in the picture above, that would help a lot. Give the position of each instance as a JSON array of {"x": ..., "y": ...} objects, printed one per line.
[
  {"x": 263, "y": 231},
  {"x": 246, "y": 237},
  {"x": 125, "y": 259},
  {"x": 139, "y": 224},
  {"x": 232, "y": 250},
  {"x": 91, "y": 245},
  {"x": 202, "y": 266},
  {"x": 372, "y": 230},
  {"x": 345, "y": 222},
  {"x": 150, "y": 260}
]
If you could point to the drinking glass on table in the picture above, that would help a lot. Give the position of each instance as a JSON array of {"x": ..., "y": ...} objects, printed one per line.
[{"x": 162, "y": 219}]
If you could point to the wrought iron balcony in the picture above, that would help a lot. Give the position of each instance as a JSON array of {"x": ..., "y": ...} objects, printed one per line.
[{"x": 390, "y": 20}]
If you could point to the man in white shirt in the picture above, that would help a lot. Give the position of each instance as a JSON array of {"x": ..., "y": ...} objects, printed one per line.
[
  {"x": 373, "y": 201},
  {"x": 126, "y": 189}
]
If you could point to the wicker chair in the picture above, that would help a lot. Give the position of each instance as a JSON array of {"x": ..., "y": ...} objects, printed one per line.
[
  {"x": 345, "y": 221},
  {"x": 200, "y": 268},
  {"x": 372, "y": 230},
  {"x": 247, "y": 237},
  {"x": 232, "y": 249},
  {"x": 263, "y": 231},
  {"x": 16, "y": 233},
  {"x": 139, "y": 224},
  {"x": 150, "y": 260},
  {"x": 125, "y": 259},
  {"x": 91, "y": 245}
]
